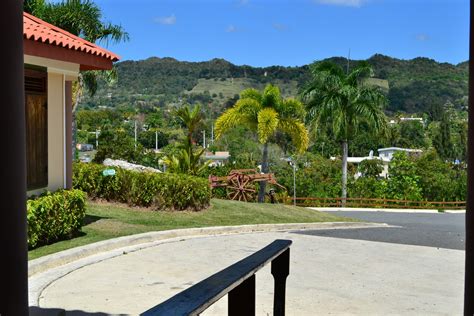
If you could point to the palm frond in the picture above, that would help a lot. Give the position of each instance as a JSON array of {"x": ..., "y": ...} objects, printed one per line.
[
  {"x": 251, "y": 93},
  {"x": 292, "y": 108},
  {"x": 248, "y": 106},
  {"x": 271, "y": 96},
  {"x": 267, "y": 124},
  {"x": 297, "y": 131},
  {"x": 327, "y": 67},
  {"x": 228, "y": 120},
  {"x": 362, "y": 71}
]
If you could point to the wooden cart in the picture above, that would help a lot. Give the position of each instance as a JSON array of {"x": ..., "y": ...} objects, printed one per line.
[{"x": 240, "y": 184}]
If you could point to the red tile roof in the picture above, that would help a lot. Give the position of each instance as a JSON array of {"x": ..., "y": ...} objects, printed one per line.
[{"x": 40, "y": 31}]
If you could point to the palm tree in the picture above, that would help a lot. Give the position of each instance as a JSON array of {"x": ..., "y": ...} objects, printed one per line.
[
  {"x": 266, "y": 113},
  {"x": 82, "y": 18},
  {"x": 344, "y": 100},
  {"x": 188, "y": 160},
  {"x": 191, "y": 119}
]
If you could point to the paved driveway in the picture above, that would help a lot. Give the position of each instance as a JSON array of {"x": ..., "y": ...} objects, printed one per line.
[
  {"x": 327, "y": 276},
  {"x": 441, "y": 230}
]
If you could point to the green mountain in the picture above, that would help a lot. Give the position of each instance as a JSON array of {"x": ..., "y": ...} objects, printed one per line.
[{"x": 419, "y": 85}]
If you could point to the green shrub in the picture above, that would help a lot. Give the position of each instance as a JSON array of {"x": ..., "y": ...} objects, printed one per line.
[
  {"x": 55, "y": 216},
  {"x": 157, "y": 190}
]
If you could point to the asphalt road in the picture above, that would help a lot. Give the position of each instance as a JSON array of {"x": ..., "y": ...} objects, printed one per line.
[{"x": 441, "y": 230}]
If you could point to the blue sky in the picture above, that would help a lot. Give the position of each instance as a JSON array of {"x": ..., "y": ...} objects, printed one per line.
[{"x": 290, "y": 33}]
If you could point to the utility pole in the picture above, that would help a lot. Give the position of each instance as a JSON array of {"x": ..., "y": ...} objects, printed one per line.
[
  {"x": 135, "y": 134},
  {"x": 204, "y": 139},
  {"x": 294, "y": 181}
]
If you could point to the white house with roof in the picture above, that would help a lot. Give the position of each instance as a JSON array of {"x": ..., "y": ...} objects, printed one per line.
[
  {"x": 357, "y": 160},
  {"x": 385, "y": 156},
  {"x": 53, "y": 59},
  {"x": 218, "y": 158},
  {"x": 387, "y": 153}
]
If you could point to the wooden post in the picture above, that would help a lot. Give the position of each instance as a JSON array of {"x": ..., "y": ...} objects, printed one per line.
[
  {"x": 14, "y": 275},
  {"x": 242, "y": 299},
  {"x": 280, "y": 271}
]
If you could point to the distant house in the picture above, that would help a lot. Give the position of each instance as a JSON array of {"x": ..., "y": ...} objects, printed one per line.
[
  {"x": 219, "y": 158},
  {"x": 52, "y": 61},
  {"x": 357, "y": 160},
  {"x": 84, "y": 147},
  {"x": 412, "y": 119},
  {"x": 407, "y": 119},
  {"x": 385, "y": 156},
  {"x": 387, "y": 153}
]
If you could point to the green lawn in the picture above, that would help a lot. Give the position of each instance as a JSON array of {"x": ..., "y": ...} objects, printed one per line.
[{"x": 107, "y": 220}]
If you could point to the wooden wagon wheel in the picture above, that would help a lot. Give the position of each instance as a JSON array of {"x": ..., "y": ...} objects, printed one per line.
[{"x": 240, "y": 187}]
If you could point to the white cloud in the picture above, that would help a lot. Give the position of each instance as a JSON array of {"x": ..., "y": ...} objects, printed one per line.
[
  {"x": 422, "y": 37},
  {"x": 280, "y": 27},
  {"x": 347, "y": 3},
  {"x": 231, "y": 29},
  {"x": 166, "y": 20}
]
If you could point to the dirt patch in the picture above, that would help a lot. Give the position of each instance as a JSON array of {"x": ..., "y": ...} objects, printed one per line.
[{"x": 114, "y": 226}]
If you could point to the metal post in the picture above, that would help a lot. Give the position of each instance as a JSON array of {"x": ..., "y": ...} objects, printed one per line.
[
  {"x": 14, "y": 270},
  {"x": 135, "y": 134},
  {"x": 294, "y": 183},
  {"x": 242, "y": 299},
  {"x": 204, "y": 139},
  {"x": 280, "y": 271},
  {"x": 212, "y": 133}
]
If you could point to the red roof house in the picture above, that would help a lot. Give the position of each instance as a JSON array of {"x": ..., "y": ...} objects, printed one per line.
[{"x": 53, "y": 58}]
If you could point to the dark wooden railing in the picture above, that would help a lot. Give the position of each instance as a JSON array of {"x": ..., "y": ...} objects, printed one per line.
[
  {"x": 237, "y": 280},
  {"x": 376, "y": 203}
]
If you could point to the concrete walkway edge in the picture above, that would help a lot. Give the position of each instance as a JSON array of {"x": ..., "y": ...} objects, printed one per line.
[{"x": 63, "y": 257}]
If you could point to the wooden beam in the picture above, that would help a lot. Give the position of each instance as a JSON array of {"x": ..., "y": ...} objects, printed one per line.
[{"x": 13, "y": 241}]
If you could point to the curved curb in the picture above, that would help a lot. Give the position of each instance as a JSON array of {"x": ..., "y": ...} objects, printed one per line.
[
  {"x": 63, "y": 257},
  {"x": 45, "y": 270}
]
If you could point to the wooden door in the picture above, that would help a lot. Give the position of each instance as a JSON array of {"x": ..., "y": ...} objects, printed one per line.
[{"x": 36, "y": 114}]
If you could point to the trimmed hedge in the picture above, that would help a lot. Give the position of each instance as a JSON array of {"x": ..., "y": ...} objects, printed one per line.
[
  {"x": 156, "y": 190},
  {"x": 55, "y": 216}
]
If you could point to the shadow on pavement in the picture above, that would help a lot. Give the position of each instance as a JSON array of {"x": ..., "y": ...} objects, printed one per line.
[{"x": 40, "y": 311}]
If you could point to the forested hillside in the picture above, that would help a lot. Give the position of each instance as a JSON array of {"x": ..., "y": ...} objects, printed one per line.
[{"x": 420, "y": 85}]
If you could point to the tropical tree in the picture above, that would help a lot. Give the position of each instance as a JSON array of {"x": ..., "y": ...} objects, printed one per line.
[
  {"x": 188, "y": 159},
  {"x": 344, "y": 100},
  {"x": 266, "y": 113}
]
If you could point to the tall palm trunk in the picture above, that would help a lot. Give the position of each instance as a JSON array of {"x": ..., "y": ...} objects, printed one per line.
[
  {"x": 345, "y": 152},
  {"x": 263, "y": 184}
]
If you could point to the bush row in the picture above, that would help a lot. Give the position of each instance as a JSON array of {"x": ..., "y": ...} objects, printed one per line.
[
  {"x": 55, "y": 216},
  {"x": 157, "y": 190}
]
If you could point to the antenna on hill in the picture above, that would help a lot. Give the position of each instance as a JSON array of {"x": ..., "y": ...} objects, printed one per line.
[{"x": 348, "y": 60}]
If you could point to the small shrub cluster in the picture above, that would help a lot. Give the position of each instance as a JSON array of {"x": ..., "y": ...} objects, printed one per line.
[
  {"x": 55, "y": 216},
  {"x": 156, "y": 190}
]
